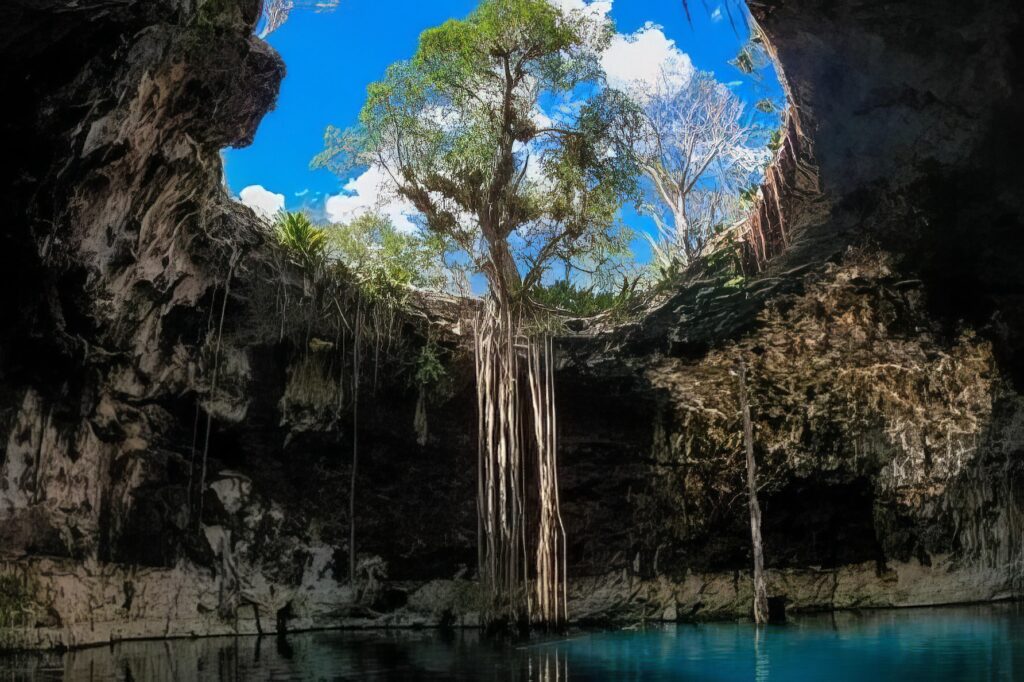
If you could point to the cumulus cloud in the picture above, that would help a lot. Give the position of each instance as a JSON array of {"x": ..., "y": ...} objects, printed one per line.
[
  {"x": 370, "y": 193},
  {"x": 265, "y": 203},
  {"x": 598, "y": 9},
  {"x": 540, "y": 118},
  {"x": 638, "y": 62}
]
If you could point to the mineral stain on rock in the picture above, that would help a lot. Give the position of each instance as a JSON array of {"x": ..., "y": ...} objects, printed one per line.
[{"x": 885, "y": 344}]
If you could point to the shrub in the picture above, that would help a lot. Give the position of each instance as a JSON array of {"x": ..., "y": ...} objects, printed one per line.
[{"x": 305, "y": 242}]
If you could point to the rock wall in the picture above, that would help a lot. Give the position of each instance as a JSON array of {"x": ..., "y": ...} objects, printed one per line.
[
  {"x": 883, "y": 345},
  {"x": 884, "y": 348}
]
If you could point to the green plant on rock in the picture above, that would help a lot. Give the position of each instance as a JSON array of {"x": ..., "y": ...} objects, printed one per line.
[
  {"x": 305, "y": 242},
  {"x": 752, "y": 57},
  {"x": 587, "y": 301},
  {"x": 429, "y": 368},
  {"x": 384, "y": 261}
]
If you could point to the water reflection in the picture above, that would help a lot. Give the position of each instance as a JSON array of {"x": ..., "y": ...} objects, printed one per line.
[
  {"x": 972, "y": 643},
  {"x": 762, "y": 669},
  {"x": 549, "y": 665}
]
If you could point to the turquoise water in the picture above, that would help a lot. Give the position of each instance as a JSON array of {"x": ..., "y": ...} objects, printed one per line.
[{"x": 963, "y": 643}]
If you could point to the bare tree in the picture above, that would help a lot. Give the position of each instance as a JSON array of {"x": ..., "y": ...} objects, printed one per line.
[
  {"x": 276, "y": 12},
  {"x": 694, "y": 150}
]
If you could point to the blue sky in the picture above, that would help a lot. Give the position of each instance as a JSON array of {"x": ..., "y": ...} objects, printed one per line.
[{"x": 332, "y": 57}]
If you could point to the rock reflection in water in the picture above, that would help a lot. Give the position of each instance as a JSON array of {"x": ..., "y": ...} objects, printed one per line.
[
  {"x": 376, "y": 655},
  {"x": 968, "y": 643}
]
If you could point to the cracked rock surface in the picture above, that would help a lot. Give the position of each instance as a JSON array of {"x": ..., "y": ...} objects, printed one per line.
[{"x": 885, "y": 353}]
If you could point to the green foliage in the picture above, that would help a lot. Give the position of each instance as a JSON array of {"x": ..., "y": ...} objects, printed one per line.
[
  {"x": 429, "y": 369},
  {"x": 305, "y": 242},
  {"x": 720, "y": 261},
  {"x": 383, "y": 260},
  {"x": 744, "y": 61},
  {"x": 16, "y": 601},
  {"x": 669, "y": 264},
  {"x": 723, "y": 261},
  {"x": 577, "y": 301},
  {"x": 749, "y": 195},
  {"x": 456, "y": 129}
]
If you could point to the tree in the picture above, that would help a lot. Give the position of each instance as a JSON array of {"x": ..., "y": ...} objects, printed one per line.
[
  {"x": 276, "y": 12},
  {"x": 460, "y": 132},
  {"x": 694, "y": 151},
  {"x": 383, "y": 259}
]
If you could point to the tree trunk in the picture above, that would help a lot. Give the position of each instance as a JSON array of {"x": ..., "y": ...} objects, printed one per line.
[
  {"x": 760, "y": 587},
  {"x": 504, "y": 278}
]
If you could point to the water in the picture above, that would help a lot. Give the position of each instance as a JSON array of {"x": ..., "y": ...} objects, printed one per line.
[{"x": 963, "y": 643}]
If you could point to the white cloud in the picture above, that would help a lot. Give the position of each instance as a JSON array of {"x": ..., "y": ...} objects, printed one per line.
[
  {"x": 598, "y": 9},
  {"x": 370, "y": 193},
  {"x": 302, "y": 193},
  {"x": 638, "y": 62},
  {"x": 541, "y": 119},
  {"x": 716, "y": 16},
  {"x": 265, "y": 203}
]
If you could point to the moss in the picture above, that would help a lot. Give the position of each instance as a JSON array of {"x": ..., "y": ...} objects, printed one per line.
[
  {"x": 17, "y": 601},
  {"x": 217, "y": 13},
  {"x": 311, "y": 392}
]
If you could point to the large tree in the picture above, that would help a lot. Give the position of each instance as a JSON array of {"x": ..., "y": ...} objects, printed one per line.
[{"x": 461, "y": 132}]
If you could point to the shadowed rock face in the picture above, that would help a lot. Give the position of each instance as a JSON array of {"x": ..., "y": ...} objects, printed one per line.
[
  {"x": 117, "y": 235},
  {"x": 884, "y": 349}
]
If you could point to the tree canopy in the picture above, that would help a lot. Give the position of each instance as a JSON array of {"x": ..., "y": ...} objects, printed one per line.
[
  {"x": 382, "y": 258},
  {"x": 460, "y": 132}
]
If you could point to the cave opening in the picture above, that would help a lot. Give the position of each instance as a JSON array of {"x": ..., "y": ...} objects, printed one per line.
[
  {"x": 282, "y": 405},
  {"x": 706, "y": 82},
  {"x": 684, "y": 118},
  {"x": 218, "y": 418},
  {"x": 648, "y": 156}
]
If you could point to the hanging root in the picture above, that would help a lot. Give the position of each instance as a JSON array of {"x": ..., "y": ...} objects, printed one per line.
[
  {"x": 551, "y": 588},
  {"x": 500, "y": 503},
  {"x": 201, "y": 487},
  {"x": 505, "y": 415},
  {"x": 757, "y": 546}
]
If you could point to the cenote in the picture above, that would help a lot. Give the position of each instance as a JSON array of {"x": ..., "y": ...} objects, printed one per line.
[
  {"x": 511, "y": 340},
  {"x": 956, "y": 643}
]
